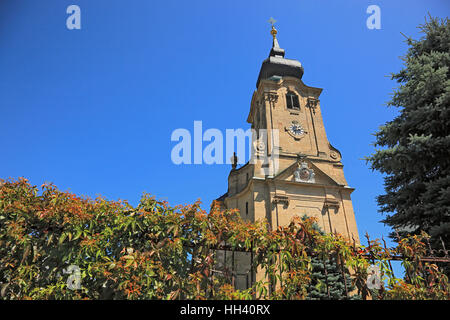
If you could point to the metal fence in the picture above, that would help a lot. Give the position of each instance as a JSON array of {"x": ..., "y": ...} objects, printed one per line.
[{"x": 231, "y": 270}]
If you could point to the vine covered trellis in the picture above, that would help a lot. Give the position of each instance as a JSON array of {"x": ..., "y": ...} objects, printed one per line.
[{"x": 155, "y": 251}]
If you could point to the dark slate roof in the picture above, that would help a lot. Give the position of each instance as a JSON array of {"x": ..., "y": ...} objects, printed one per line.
[
  {"x": 277, "y": 65},
  {"x": 222, "y": 197}
]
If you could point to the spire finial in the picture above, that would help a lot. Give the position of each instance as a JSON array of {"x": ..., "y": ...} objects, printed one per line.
[{"x": 274, "y": 31}]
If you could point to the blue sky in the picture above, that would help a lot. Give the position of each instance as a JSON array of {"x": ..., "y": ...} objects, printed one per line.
[{"x": 92, "y": 110}]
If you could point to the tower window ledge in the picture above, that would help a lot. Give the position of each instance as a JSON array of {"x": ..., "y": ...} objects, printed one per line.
[
  {"x": 281, "y": 199},
  {"x": 332, "y": 204}
]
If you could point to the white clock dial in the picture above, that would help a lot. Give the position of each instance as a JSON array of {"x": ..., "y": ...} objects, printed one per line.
[{"x": 296, "y": 129}]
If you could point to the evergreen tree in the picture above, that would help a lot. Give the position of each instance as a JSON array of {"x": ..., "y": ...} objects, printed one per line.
[
  {"x": 415, "y": 154},
  {"x": 327, "y": 277},
  {"x": 326, "y": 272}
]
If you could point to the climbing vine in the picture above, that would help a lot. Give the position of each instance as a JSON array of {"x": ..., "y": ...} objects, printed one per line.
[{"x": 113, "y": 250}]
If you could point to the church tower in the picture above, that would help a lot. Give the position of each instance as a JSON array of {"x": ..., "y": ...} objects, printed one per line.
[{"x": 302, "y": 173}]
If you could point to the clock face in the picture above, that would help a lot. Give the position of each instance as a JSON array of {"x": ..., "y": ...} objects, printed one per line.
[{"x": 296, "y": 129}]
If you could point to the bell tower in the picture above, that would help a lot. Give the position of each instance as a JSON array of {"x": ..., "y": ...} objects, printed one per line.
[
  {"x": 304, "y": 174},
  {"x": 283, "y": 102}
]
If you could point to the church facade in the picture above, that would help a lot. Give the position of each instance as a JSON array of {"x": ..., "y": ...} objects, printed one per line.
[{"x": 307, "y": 178}]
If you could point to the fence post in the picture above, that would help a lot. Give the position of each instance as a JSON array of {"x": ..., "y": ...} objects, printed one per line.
[{"x": 251, "y": 264}]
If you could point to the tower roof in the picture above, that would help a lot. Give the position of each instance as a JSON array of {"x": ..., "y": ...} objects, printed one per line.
[{"x": 277, "y": 65}]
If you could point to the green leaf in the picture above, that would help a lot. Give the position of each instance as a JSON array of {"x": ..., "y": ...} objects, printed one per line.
[
  {"x": 78, "y": 234},
  {"x": 50, "y": 238},
  {"x": 129, "y": 262},
  {"x": 62, "y": 238}
]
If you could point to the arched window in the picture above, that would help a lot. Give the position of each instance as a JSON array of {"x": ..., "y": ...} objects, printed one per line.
[
  {"x": 246, "y": 208},
  {"x": 292, "y": 101}
]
